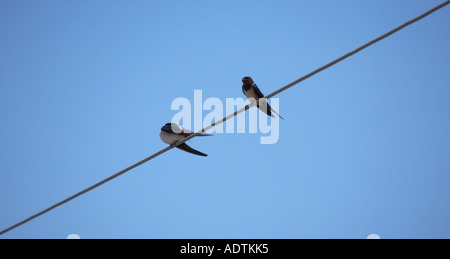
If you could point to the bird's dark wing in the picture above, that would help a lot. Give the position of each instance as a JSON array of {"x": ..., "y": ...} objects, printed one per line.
[
  {"x": 187, "y": 148},
  {"x": 188, "y": 133},
  {"x": 267, "y": 109},
  {"x": 257, "y": 91}
]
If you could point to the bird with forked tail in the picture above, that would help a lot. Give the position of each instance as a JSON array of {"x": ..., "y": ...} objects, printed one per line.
[
  {"x": 172, "y": 132},
  {"x": 251, "y": 91}
]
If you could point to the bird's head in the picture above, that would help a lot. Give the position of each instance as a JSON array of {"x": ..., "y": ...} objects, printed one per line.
[
  {"x": 172, "y": 127},
  {"x": 247, "y": 80}
]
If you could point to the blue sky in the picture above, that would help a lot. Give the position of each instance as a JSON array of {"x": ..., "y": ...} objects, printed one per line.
[{"x": 85, "y": 87}]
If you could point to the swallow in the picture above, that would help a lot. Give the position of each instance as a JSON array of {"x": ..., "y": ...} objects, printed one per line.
[
  {"x": 251, "y": 90},
  {"x": 172, "y": 132}
]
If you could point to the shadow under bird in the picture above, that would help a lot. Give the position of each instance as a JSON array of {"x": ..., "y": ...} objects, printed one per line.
[
  {"x": 251, "y": 90},
  {"x": 172, "y": 132}
]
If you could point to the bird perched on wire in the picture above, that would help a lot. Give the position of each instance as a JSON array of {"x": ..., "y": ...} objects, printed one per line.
[
  {"x": 251, "y": 91},
  {"x": 172, "y": 132}
]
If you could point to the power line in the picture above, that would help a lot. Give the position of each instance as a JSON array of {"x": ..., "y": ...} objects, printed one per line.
[
  {"x": 359, "y": 49},
  {"x": 227, "y": 117},
  {"x": 87, "y": 189}
]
